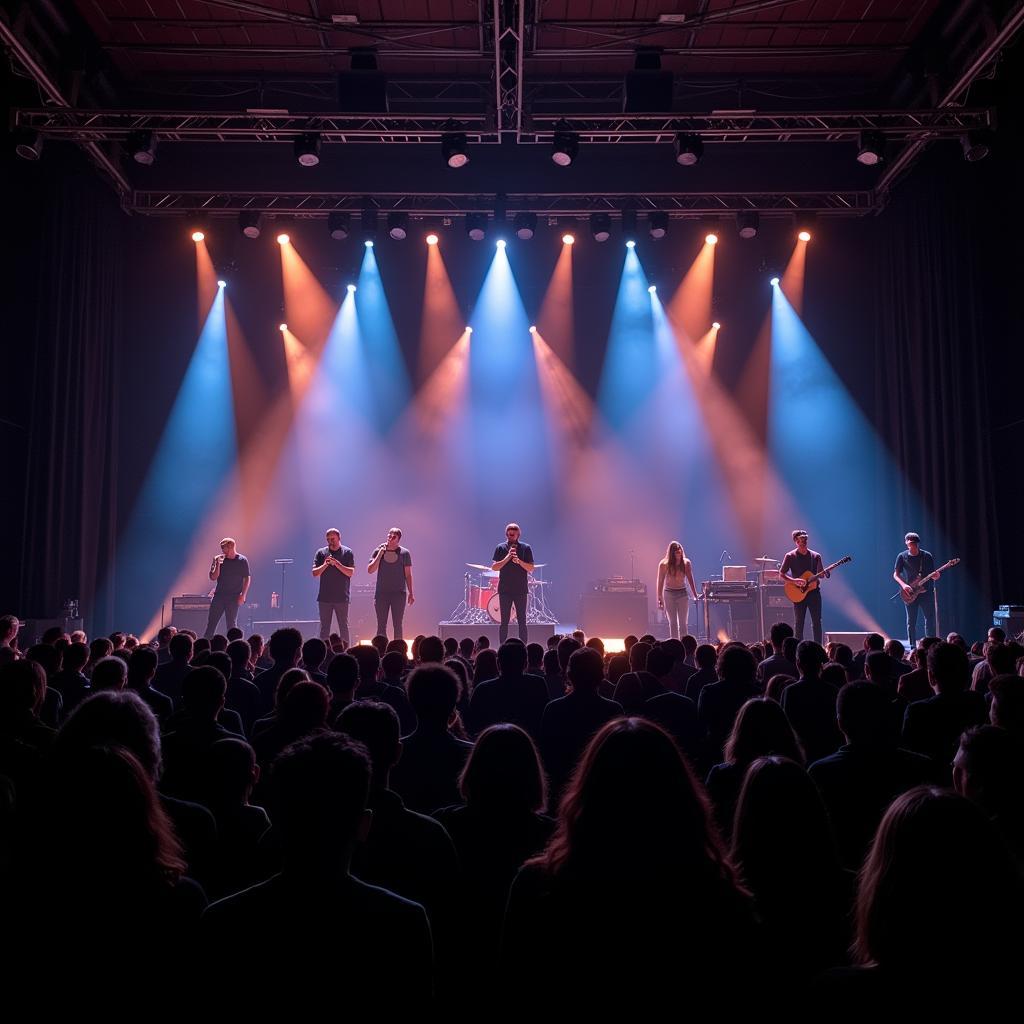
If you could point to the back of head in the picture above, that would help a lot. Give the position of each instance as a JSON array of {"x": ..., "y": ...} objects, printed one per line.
[
  {"x": 381, "y": 643},
  {"x": 218, "y": 643},
  {"x": 736, "y": 664},
  {"x": 504, "y": 772},
  {"x": 314, "y": 651},
  {"x": 482, "y": 643},
  {"x": 368, "y": 659},
  {"x": 789, "y": 646},
  {"x": 52, "y": 635},
  {"x": 305, "y": 708},
  {"x": 534, "y": 655},
  {"x": 550, "y": 662},
  {"x": 230, "y": 769},
  {"x": 393, "y": 664},
  {"x": 221, "y": 662},
  {"x": 110, "y": 673},
  {"x": 240, "y": 653},
  {"x": 117, "y": 719},
  {"x": 705, "y": 656},
  {"x": 777, "y": 684},
  {"x": 761, "y": 729},
  {"x": 1007, "y": 708},
  {"x": 638, "y": 656},
  {"x": 618, "y": 666},
  {"x": 863, "y": 711},
  {"x": 659, "y": 662},
  {"x": 375, "y": 725},
  {"x": 895, "y": 649},
  {"x": 200, "y": 646},
  {"x": 285, "y": 645},
  {"x": 834, "y": 674},
  {"x": 22, "y": 688},
  {"x": 180, "y": 646},
  {"x": 989, "y": 769},
  {"x": 1002, "y": 658},
  {"x": 397, "y": 645},
  {"x": 585, "y": 670},
  {"x": 565, "y": 648},
  {"x": 628, "y": 642},
  {"x": 466, "y": 647},
  {"x": 142, "y": 665},
  {"x": 234, "y": 633},
  {"x": 433, "y": 691},
  {"x": 46, "y": 655},
  {"x": 76, "y": 657},
  {"x": 810, "y": 657},
  {"x": 874, "y": 642},
  {"x": 689, "y": 643},
  {"x": 843, "y": 655},
  {"x": 100, "y": 648},
  {"x": 675, "y": 648},
  {"x": 343, "y": 675},
  {"x": 778, "y": 634},
  {"x": 878, "y": 667},
  {"x": 459, "y": 668},
  {"x": 431, "y": 650},
  {"x": 203, "y": 690},
  {"x": 949, "y": 669},
  {"x": 451, "y": 647},
  {"x": 511, "y": 659},
  {"x": 486, "y": 665},
  {"x": 288, "y": 681}
]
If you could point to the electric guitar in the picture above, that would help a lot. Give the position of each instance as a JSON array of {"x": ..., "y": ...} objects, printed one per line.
[
  {"x": 917, "y": 587},
  {"x": 797, "y": 593}
]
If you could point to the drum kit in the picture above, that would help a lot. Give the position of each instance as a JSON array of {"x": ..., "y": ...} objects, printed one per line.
[{"x": 481, "y": 605}]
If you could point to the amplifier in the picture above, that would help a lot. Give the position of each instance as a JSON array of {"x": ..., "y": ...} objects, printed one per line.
[
  {"x": 775, "y": 597},
  {"x": 190, "y": 611},
  {"x": 729, "y": 590},
  {"x": 619, "y": 585},
  {"x": 1010, "y": 618},
  {"x": 734, "y": 573},
  {"x": 190, "y": 603},
  {"x": 614, "y": 614}
]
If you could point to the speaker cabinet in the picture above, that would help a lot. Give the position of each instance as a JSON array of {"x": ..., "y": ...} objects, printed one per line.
[{"x": 613, "y": 614}]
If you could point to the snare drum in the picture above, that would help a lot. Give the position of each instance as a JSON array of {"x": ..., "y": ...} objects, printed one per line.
[{"x": 479, "y": 596}]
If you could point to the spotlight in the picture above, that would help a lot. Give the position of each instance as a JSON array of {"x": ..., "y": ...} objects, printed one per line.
[
  {"x": 307, "y": 149},
  {"x": 368, "y": 223},
  {"x": 249, "y": 223},
  {"x": 142, "y": 147},
  {"x": 198, "y": 236},
  {"x": 870, "y": 148},
  {"x": 748, "y": 222},
  {"x": 222, "y": 284},
  {"x": 350, "y": 288},
  {"x": 476, "y": 226},
  {"x": 469, "y": 330},
  {"x": 368, "y": 243},
  {"x": 282, "y": 328},
  {"x": 500, "y": 243},
  {"x": 804, "y": 236},
  {"x": 28, "y": 144},
  {"x": 432, "y": 239},
  {"x": 711, "y": 238},
  {"x": 568, "y": 239},
  {"x": 339, "y": 224},
  {"x": 689, "y": 149},
  {"x": 398, "y": 226},
  {"x": 565, "y": 146},
  {"x": 631, "y": 244},
  {"x": 716, "y": 326},
  {"x": 976, "y": 144},
  {"x": 629, "y": 226},
  {"x": 657, "y": 224},
  {"x": 525, "y": 225},
  {"x": 283, "y": 238},
  {"x": 774, "y": 282},
  {"x": 533, "y": 328},
  {"x": 453, "y": 149},
  {"x": 652, "y": 288},
  {"x": 600, "y": 227}
]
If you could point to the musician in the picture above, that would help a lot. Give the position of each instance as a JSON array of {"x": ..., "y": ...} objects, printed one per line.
[
  {"x": 513, "y": 561},
  {"x": 912, "y": 564},
  {"x": 798, "y": 561},
  {"x": 231, "y": 571},
  {"x": 674, "y": 572},
  {"x": 334, "y": 566},
  {"x": 393, "y": 565}
]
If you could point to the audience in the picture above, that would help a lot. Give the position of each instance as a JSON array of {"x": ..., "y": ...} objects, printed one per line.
[
  {"x": 810, "y": 704},
  {"x": 514, "y": 696}
]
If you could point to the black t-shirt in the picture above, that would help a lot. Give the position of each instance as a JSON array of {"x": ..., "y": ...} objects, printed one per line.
[
  {"x": 513, "y": 579},
  {"x": 391, "y": 571},
  {"x": 231, "y": 580},
  {"x": 796, "y": 564},
  {"x": 334, "y": 584},
  {"x": 908, "y": 567}
]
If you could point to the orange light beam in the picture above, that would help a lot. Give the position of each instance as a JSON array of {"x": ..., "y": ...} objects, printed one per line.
[
  {"x": 309, "y": 310},
  {"x": 690, "y": 306},
  {"x": 206, "y": 282},
  {"x": 556, "y": 320},
  {"x": 793, "y": 279},
  {"x": 441, "y": 319}
]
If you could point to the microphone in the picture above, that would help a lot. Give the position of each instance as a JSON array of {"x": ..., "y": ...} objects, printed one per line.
[{"x": 725, "y": 555}]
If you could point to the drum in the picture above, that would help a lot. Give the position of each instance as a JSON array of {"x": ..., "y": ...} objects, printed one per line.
[
  {"x": 494, "y": 608},
  {"x": 479, "y": 596}
]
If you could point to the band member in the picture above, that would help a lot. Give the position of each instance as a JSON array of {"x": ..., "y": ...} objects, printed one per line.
[
  {"x": 231, "y": 571},
  {"x": 911, "y": 564},
  {"x": 674, "y": 572},
  {"x": 798, "y": 561},
  {"x": 393, "y": 565},
  {"x": 333, "y": 566},
  {"x": 513, "y": 561}
]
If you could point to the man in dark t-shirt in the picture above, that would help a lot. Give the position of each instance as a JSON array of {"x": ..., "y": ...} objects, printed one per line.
[
  {"x": 393, "y": 565},
  {"x": 231, "y": 572},
  {"x": 333, "y": 566},
  {"x": 911, "y": 565},
  {"x": 798, "y": 561},
  {"x": 513, "y": 561}
]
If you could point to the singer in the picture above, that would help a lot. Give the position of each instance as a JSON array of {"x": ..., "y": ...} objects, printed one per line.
[
  {"x": 674, "y": 573},
  {"x": 393, "y": 565},
  {"x": 333, "y": 566},
  {"x": 231, "y": 571},
  {"x": 513, "y": 561}
]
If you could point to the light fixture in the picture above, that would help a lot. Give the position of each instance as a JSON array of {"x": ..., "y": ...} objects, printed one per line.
[
  {"x": 600, "y": 227},
  {"x": 565, "y": 145},
  {"x": 870, "y": 148},
  {"x": 28, "y": 144},
  {"x": 222, "y": 284},
  {"x": 307, "y": 149},
  {"x": 711, "y": 238},
  {"x": 689, "y": 149},
  {"x": 568, "y": 239},
  {"x": 976, "y": 144},
  {"x": 748, "y": 222},
  {"x": 339, "y": 225},
  {"x": 249, "y": 223},
  {"x": 432, "y": 239},
  {"x": 804, "y": 236},
  {"x": 453, "y": 149},
  {"x": 476, "y": 226},
  {"x": 630, "y": 244},
  {"x": 283, "y": 238},
  {"x": 368, "y": 243},
  {"x": 368, "y": 219},
  {"x": 282, "y": 328},
  {"x": 657, "y": 224},
  {"x": 500, "y": 243},
  {"x": 525, "y": 225},
  {"x": 629, "y": 226},
  {"x": 141, "y": 145},
  {"x": 652, "y": 288},
  {"x": 198, "y": 236},
  {"x": 774, "y": 282},
  {"x": 350, "y": 288},
  {"x": 533, "y": 328},
  {"x": 716, "y": 326},
  {"x": 469, "y": 330},
  {"x": 398, "y": 225}
]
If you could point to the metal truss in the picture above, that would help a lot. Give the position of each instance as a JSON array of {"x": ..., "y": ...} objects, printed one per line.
[
  {"x": 449, "y": 204},
  {"x": 509, "y": 26}
]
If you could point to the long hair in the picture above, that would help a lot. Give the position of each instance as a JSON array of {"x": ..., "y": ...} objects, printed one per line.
[
  {"x": 761, "y": 729},
  {"x": 504, "y": 772},
  {"x": 670, "y": 561},
  {"x": 634, "y": 808}
]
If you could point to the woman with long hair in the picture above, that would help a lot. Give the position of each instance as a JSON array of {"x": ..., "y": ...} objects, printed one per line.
[{"x": 674, "y": 573}]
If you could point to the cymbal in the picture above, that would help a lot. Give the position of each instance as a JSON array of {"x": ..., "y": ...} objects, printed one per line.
[
  {"x": 538, "y": 583},
  {"x": 539, "y": 565},
  {"x": 768, "y": 561},
  {"x": 474, "y": 565}
]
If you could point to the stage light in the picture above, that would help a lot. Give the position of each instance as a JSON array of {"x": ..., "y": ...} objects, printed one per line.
[
  {"x": 282, "y": 328},
  {"x": 469, "y": 330},
  {"x": 716, "y": 326},
  {"x": 568, "y": 239},
  {"x": 748, "y": 222},
  {"x": 141, "y": 145},
  {"x": 657, "y": 224},
  {"x": 350, "y": 288},
  {"x": 652, "y": 288},
  {"x": 631, "y": 244},
  {"x": 804, "y": 236},
  {"x": 432, "y": 239},
  {"x": 533, "y": 328},
  {"x": 453, "y": 149},
  {"x": 339, "y": 224},
  {"x": 307, "y": 149},
  {"x": 368, "y": 223},
  {"x": 565, "y": 147},
  {"x": 398, "y": 226},
  {"x": 500, "y": 243},
  {"x": 283, "y": 238},
  {"x": 976, "y": 144},
  {"x": 689, "y": 149},
  {"x": 368, "y": 243},
  {"x": 222, "y": 284},
  {"x": 525, "y": 225},
  {"x": 198, "y": 236},
  {"x": 774, "y": 282},
  {"x": 249, "y": 223},
  {"x": 870, "y": 148},
  {"x": 600, "y": 227},
  {"x": 711, "y": 238},
  {"x": 629, "y": 226},
  {"x": 476, "y": 226},
  {"x": 28, "y": 143}
]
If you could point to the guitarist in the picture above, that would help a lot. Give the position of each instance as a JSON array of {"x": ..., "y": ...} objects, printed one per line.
[
  {"x": 798, "y": 561},
  {"x": 911, "y": 565}
]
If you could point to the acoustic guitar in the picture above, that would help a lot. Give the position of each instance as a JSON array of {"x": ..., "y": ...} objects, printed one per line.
[
  {"x": 917, "y": 587},
  {"x": 797, "y": 593}
]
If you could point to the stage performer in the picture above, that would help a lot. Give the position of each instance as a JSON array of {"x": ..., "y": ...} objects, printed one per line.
[
  {"x": 231, "y": 571},
  {"x": 513, "y": 561},
  {"x": 393, "y": 565},
  {"x": 674, "y": 572},
  {"x": 333, "y": 566}
]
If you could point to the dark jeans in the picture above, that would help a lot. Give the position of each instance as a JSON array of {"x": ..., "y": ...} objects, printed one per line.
[
  {"x": 811, "y": 603},
  {"x": 926, "y": 604},
  {"x": 394, "y": 603},
  {"x": 505, "y": 602},
  {"x": 328, "y": 610},
  {"x": 226, "y": 605}
]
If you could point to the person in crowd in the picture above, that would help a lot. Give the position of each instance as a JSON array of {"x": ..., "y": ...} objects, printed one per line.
[
  {"x": 914, "y": 685},
  {"x": 314, "y": 654},
  {"x": 810, "y": 704},
  {"x": 720, "y": 702},
  {"x": 242, "y": 695},
  {"x": 989, "y": 769},
  {"x": 513, "y": 696},
  {"x": 777, "y": 661},
  {"x": 705, "y": 657},
  {"x": 302, "y": 711},
  {"x": 285, "y": 647},
  {"x": 171, "y": 674},
  {"x": 142, "y": 666},
  {"x": 1007, "y": 707},
  {"x": 71, "y": 681}
]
